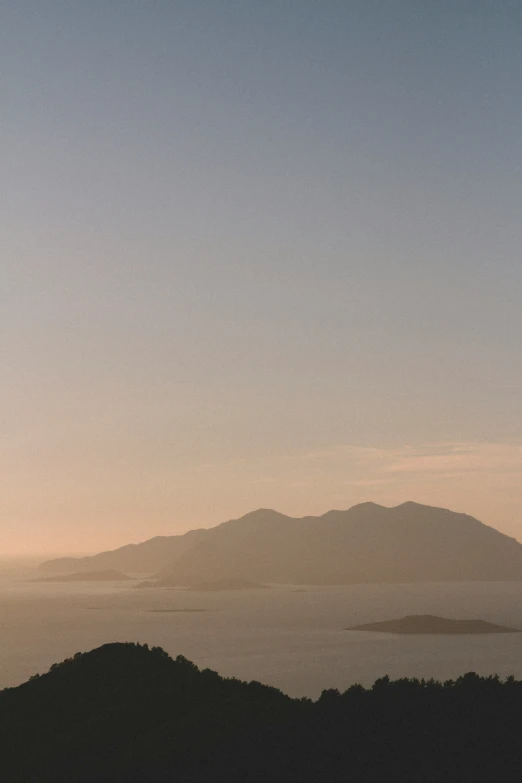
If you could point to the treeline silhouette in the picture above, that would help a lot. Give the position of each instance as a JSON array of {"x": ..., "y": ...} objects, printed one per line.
[{"x": 125, "y": 713}]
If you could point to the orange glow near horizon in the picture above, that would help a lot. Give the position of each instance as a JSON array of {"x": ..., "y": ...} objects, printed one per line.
[{"x": 483, "y": 480}]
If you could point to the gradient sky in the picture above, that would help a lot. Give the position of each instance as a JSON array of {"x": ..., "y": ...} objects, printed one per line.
[{"x": 257, "y": 253}]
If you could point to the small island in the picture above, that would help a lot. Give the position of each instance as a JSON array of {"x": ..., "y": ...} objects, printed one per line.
[
  {"x": 430, "y": 624},
  {"x": 147, "y": 584},
  {"x": 175, "y": 611},
  {"x": 225, "y": 584},
  {"x": 87, "y": 576}
]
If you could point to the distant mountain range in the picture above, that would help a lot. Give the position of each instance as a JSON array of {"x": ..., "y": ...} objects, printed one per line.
[{"x": 367, "y": 543}]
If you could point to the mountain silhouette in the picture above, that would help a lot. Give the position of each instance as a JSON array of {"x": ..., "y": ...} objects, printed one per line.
[
  {"x": 367, "y": 543},
  {"x": 124, "y": 713}
]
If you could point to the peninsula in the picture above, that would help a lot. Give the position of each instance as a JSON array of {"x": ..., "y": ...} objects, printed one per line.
[
  {"x": 225, "y": 584},
  {"x": 87, "y": 576}
]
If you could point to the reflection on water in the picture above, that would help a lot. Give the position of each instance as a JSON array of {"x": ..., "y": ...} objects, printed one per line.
[{"x": 284, "y": 637}]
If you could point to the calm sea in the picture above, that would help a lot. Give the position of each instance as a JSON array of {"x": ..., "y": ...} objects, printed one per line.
[{"x": 288, "y": 637}]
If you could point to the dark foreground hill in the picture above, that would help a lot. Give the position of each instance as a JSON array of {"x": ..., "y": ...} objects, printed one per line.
[
  {"x": 430, "y": 624},
  {"x": 367, "y": 543},
  {"x": 127, "y": 714}
]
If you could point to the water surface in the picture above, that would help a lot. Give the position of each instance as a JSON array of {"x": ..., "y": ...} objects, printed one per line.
[{"x": 284, "y": 636}]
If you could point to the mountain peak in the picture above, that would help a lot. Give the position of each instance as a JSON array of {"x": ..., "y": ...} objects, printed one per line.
[
  {"x": 261, "y": 514},
  {"x": 368, "y": 504}
]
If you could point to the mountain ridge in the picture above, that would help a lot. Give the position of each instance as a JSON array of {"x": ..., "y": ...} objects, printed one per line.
[{"x": 369, "y": 543}]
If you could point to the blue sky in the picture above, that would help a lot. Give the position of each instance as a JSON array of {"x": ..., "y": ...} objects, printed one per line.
[{"x": 240, "y": 233}]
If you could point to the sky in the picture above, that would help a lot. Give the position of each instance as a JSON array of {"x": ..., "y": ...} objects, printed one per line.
[{"x": 256, "y": 253}]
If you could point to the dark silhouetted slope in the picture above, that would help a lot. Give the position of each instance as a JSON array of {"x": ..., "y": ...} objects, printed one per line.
[
  {"x": 122, "y": 708},
  {"x": 127, "y": 714}
]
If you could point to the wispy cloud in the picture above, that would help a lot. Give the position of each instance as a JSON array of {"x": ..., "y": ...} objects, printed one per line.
[
  {"x": 448, "y": 458},
  {"x": 480, "y": 478}
]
